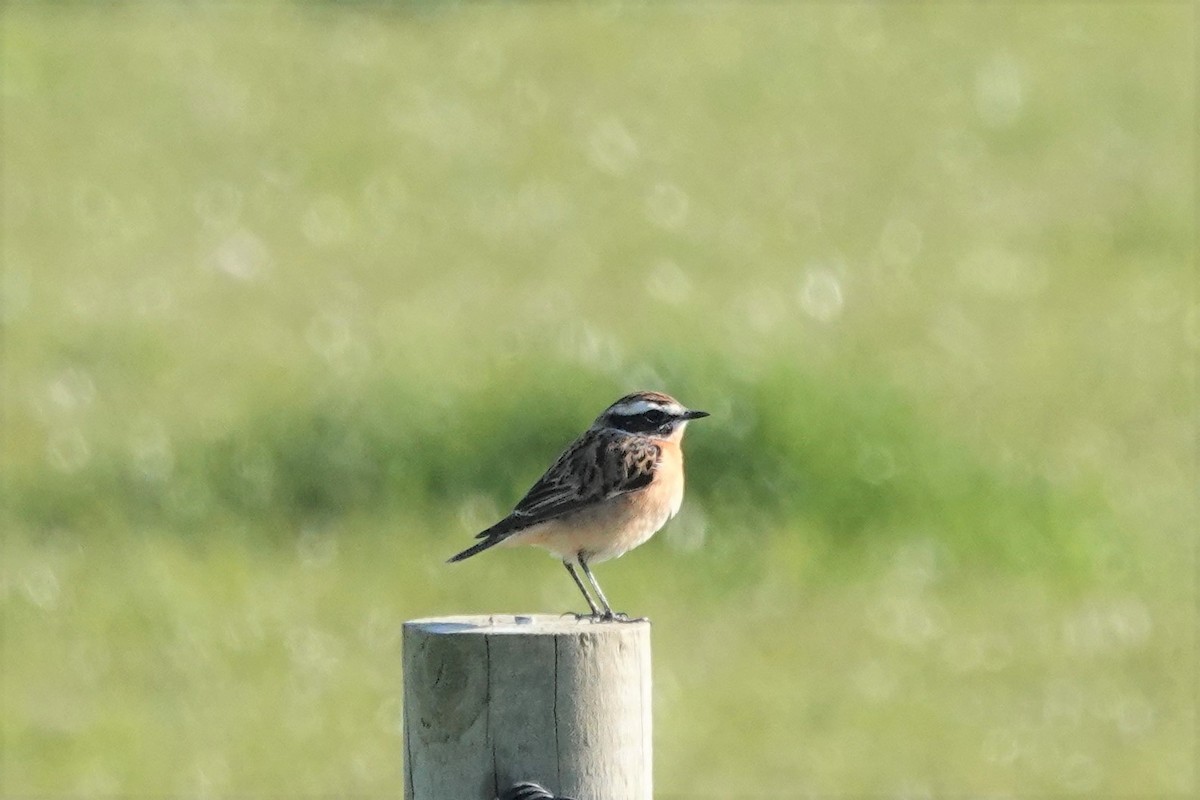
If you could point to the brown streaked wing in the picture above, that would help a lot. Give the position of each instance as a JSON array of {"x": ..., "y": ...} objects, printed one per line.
[{"x": 598, "y": 466}]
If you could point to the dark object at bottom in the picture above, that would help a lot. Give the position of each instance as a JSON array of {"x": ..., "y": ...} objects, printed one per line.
[{"x": 527, "y": 790}]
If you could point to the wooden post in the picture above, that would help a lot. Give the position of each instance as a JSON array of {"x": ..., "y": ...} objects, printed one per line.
[{"x": 493, "y": 700}]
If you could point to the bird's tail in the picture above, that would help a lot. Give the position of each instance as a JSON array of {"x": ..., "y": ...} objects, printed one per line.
[
  {"x": 474, "y": 549},
  {"x": 491, "y": 537}
]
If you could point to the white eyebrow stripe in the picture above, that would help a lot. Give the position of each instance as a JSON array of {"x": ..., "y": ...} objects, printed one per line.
[{"x": 632, "y": 409}]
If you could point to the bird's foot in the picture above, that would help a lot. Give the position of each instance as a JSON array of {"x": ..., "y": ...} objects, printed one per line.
[{"x": 606, "y": 616}]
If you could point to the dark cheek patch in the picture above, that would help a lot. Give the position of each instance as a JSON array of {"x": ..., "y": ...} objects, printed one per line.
[{"x": 637, "y": 424}]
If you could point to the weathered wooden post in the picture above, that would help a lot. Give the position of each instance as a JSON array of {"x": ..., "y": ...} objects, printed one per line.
[{"x": 493, "y": 700}]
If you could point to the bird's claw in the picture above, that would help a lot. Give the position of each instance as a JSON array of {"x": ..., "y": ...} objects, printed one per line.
[{"x": 608, "y": 616}]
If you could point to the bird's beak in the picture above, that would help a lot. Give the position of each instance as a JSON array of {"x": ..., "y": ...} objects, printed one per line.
[{"x": 695, "y": 414}]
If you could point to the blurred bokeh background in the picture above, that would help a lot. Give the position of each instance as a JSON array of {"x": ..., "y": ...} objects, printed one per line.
[{"x": 296, "y": 298}]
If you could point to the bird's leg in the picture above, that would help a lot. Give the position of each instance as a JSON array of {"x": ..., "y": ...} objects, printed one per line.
[
  {"x": 608, "y": 612},
  {"x": 575, "y": 575}
]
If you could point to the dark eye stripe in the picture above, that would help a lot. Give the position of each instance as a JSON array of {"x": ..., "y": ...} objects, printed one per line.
[{"x": 640, "y": 423}]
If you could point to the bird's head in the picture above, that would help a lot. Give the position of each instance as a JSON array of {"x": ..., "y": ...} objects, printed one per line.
[{"x": 648, "y": 413}]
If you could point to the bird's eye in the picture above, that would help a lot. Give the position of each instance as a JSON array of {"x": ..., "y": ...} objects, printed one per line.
[{"x": 655, "y": 417}]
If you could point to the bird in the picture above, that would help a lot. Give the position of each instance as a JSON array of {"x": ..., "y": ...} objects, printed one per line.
[{"x": 612, "y": 488}]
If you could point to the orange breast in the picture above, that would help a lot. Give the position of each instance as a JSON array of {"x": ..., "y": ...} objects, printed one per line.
[{"x": 668, "y": 478}]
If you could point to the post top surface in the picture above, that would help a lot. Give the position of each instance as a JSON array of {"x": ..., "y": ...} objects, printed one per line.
[{"x": 523, "y": 624}]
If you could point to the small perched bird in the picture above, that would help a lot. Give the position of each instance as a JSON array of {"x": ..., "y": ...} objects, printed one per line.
[{"x": 610, "y": 490}]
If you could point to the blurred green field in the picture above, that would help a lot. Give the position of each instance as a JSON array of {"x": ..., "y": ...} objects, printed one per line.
[{"x": 297, "y": 298}]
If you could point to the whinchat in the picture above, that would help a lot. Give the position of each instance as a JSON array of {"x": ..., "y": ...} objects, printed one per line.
[{"x": 612, "y": 489}]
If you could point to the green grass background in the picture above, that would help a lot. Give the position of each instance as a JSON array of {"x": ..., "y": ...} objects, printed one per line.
[{"x": 297, "y": 298}]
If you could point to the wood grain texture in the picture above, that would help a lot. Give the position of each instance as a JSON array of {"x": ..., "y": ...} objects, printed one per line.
[{"x": 492, "y": 700}]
